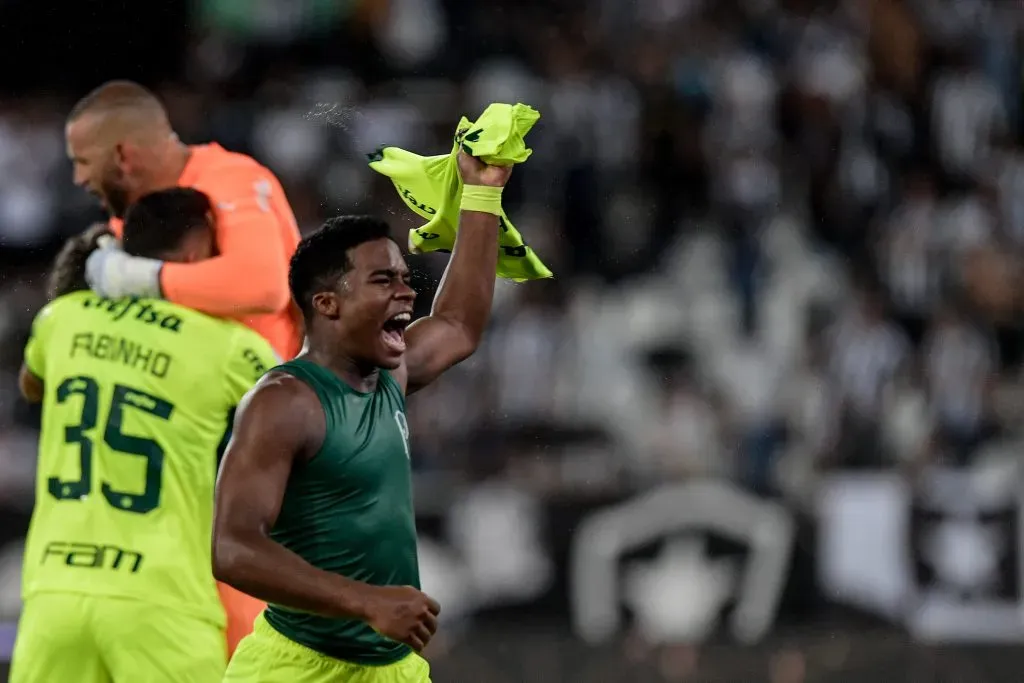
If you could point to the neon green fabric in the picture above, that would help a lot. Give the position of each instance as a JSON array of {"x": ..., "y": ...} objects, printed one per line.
[{"x": 432, "y": 188}]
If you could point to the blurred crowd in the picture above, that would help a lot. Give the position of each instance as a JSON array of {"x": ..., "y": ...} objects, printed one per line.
[{"x": 787, "y": 234}]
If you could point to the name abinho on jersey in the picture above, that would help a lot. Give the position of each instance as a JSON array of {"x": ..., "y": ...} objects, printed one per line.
[{"x": 127, "y": 352}]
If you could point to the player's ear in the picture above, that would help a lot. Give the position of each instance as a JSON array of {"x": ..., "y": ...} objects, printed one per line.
[
  {"x": 126, "y": 156},
  {"x": 120, "y": 155},
  {"x": 327, "y": 305},
  {"x": 196, "y": 246}
]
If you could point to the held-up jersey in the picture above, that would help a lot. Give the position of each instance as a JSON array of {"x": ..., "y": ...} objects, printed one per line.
[{"x": 139, "y": 395}]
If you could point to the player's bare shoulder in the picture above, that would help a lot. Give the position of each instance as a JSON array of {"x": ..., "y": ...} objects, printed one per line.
[
  {"x": 281, "y": 409},
  {"x": 282, "y": 392}
]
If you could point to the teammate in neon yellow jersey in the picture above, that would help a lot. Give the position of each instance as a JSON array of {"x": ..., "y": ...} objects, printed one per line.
[{"x": 137, "y": 398}]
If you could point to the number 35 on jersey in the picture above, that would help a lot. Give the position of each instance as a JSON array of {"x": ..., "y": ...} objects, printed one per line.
[{"x": 86, "y": 433}]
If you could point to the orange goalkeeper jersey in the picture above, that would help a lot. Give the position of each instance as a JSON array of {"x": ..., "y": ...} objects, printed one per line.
[{"x": 256, "y": 236}]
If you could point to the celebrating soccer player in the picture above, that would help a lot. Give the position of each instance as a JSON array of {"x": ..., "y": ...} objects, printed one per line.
[
  {"x": 137, "y": 396},
  {"x": 314, "y": 505},
  {"x": 122, "y": 147}
]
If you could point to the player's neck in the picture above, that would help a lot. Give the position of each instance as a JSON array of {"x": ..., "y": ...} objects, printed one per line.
[
  {"x": 178, "y": 156},
  {"x": 360, "y": 376},
  {"x": 172, "y": 159}
]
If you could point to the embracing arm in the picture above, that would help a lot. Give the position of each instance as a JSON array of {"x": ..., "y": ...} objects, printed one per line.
[
  {"x": 462, "y": 306},
  {"x": 255, "y": 235},
  {"x": 250, "y": 275},
  {"x": 277, "y": 424}
]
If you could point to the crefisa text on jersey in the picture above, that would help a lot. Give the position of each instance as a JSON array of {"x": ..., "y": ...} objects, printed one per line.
[
  {"x": 145, "y": 312},
  {"x": 119, "y": 349}
]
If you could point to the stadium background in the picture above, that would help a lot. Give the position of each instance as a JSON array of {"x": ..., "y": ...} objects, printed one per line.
[{"x": 788, "y": 239}]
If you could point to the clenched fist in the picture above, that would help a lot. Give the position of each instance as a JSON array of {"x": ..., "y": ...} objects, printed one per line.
[
  {"x": 404, "y": 614},
  {"x": 476, "y": 172}
]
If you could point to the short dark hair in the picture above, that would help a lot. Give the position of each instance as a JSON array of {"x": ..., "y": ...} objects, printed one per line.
[
  {"x": 322, "y": 258},
  {"x": 118, "y": 94},
  {"x": 156, "y": 224},
  {"x": 68, "y": 272}
]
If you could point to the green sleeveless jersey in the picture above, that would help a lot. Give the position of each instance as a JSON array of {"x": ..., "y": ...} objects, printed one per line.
[
  {"x": 348, "y": 510},
  {"x": 138, "y": 398}
]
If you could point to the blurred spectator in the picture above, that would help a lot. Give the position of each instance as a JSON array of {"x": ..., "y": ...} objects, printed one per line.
[
  {"x": 909, "y": 256},
  {"x": 866, "y": 354},
  {"x": 526, "y": 351},
  {"x": 751, "y": 379},
  {"x": 686, "y": 438},
  {"x": 968, "y": 114},
  {"x": 960, "y": 362}
]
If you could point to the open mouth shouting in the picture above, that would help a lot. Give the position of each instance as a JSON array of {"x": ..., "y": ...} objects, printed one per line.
[{"x": 393, "y": 332}]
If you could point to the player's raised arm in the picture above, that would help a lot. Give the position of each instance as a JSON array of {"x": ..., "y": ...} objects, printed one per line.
[
  {"x": 278, "y": 425},
  {"x": 462, "y": 306}
]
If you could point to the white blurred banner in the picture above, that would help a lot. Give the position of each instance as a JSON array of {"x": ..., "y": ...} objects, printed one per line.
[{"x": 941, "y": 556}]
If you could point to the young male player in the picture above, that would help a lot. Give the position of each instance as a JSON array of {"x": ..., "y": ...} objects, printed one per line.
[
  {"x": 314, "y": 505},
  {"x": 137, "y": 397},
  {"x": 122, "y": 146}
]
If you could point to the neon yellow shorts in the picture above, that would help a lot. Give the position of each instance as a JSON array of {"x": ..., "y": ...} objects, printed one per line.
[
  {"x": 266, "y": 656},
  {"x": 93, "y": 639}
]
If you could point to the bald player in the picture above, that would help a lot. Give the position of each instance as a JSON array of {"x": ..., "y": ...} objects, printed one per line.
[{"x": 123, "y": 147}]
